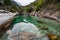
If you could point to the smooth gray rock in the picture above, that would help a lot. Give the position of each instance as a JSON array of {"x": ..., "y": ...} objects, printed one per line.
[{"x": 25, "y": 31}]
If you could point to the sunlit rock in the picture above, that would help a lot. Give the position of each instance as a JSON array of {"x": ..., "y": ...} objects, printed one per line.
[
  {"x": 22, "y": 2},
  {"x": 5, "y": 17}
]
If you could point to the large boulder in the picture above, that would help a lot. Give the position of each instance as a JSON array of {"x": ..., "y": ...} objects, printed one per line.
[
  {"x": 25, "y": 31},
  {"x": 5, "y": 19}
]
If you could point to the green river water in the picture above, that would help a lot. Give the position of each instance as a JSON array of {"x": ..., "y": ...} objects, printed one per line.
[{"x": 53, "y": 27}]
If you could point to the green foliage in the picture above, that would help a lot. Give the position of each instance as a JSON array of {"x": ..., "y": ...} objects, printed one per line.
[
  {"x": 35, "y": 6},
  {"x": 28, "y": 9},
  {"x": 38, "y": 4},
  {"x": 7, "y": 2},
  {"x": 14, "y": 8},
  {"x": 58, "y": 7}
]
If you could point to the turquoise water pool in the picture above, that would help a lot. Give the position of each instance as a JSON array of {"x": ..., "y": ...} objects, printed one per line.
[{"x": 53, "y": 27}]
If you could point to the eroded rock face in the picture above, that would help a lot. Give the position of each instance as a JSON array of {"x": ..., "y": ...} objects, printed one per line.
[{"x": 25, "y": 31}]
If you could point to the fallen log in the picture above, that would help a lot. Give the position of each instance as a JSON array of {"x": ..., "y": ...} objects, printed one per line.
[{"x": 52, "y": 18}]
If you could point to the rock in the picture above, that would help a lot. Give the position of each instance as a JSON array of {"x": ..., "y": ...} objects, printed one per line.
[
  {"x": 5, "y": 21},
  {"x": 26, "y": 27},
  {"x": 25, "y": 31},
  {"x": 5, "y": 17}
]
